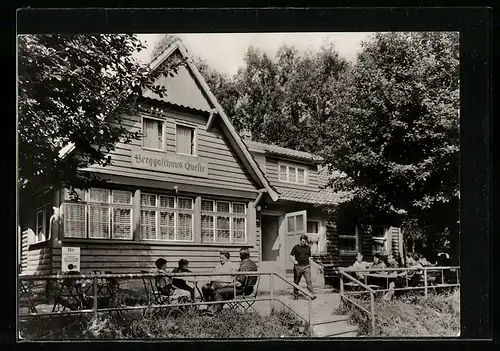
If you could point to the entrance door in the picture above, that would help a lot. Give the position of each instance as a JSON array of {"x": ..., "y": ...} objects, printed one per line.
[
  {"x": 271, "y": 242},
  {"x": 295, "y": 226}
]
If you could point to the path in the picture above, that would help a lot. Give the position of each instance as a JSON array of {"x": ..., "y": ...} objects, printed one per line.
[{"x": 325, "y": 322}]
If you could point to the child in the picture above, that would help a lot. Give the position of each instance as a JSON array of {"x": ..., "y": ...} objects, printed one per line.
[
  {"x": 163, "y": 283},
  {"x": 181, "y": 283}
]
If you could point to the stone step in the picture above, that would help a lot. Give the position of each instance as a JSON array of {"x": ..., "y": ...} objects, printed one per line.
[
  {"x": 330, "y": 319},
  {"x": 335, "y": 329}
]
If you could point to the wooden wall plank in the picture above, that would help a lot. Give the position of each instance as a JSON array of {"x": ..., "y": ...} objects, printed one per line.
[{"x": 225, "y": 170}]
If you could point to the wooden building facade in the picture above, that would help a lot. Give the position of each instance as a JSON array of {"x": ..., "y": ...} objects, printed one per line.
[{"x": 191, "y": 187}]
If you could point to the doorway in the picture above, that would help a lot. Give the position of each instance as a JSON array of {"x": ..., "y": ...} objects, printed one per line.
[{"x": 271, "y": 241}]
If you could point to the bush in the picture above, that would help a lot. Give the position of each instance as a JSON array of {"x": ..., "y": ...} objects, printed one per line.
[
  {"x": 226, "y": 324},
  {"x": 413, "y": 315}
]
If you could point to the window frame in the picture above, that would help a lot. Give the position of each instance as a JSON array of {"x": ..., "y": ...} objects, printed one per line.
[
  {"x": 320, "y": 234},
  {"x": 44, "y": 206},
  {"x": 384, "y": 240},
  {"x": 195, "y": 138},
  {"x": 354, "y": 237},
  {"x": 110, "y": 205},
  {"x": 231, "y": 215},
  {"x": 297, "y": 167},
  {"x": 163, "y": 134},
  {"x": 176, "y": 210}
]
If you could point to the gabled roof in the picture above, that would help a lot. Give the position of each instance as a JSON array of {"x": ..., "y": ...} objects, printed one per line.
[
  {"x": 182, "y": 89},
  {"x": 247, "y": 158},
  {"x": 282, "y": 151}
]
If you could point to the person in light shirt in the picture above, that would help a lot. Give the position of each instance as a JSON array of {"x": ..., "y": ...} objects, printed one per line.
[
  {"x": 360, "y": 264},
  {"x": 224, "y": 266}
]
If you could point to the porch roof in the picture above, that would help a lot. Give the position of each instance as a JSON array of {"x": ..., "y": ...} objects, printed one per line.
[
  {"x": 282, "y": 151},
  {"x": 321, "y": 197}
]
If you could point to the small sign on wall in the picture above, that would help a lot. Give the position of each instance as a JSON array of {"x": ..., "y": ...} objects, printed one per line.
[{"x": 70, "y": 259}]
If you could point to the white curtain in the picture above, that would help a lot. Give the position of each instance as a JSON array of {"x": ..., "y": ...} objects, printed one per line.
[
  {"x": 152, "y": 134},
  {"x": 185, "y": 140}
]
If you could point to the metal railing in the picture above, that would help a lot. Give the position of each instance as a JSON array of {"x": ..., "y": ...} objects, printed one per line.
[
  {"x": 95, "y": 277},
  {"x": 400, "y": 273}
]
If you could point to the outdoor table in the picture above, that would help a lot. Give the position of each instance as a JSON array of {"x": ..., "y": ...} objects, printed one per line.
[
  {"x": 202, "y": 282},
  {"x": 196, "y": 283},
  {"x": 382, "y": 276}
]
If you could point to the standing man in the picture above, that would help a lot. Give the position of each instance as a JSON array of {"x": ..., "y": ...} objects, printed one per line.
[{"x": 302, "y": 261}]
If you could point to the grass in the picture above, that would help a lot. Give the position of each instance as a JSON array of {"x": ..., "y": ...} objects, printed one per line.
[
  {"x": 132, "y": 325},
  {"x": 411, "y": 316}
]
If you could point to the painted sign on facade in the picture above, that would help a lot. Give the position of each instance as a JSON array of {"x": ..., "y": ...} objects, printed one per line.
[
  {"x": 70, "y": 259},
  {"x": 168, "y": 163}
]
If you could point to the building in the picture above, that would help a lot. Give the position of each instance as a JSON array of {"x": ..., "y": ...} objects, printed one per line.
[{"x": 189, "y": 189}]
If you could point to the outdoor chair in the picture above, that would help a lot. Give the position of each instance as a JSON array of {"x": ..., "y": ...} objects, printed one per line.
[
  {"x": 26, "y": 289},
  {"x": 152, "y": 294},
  {"x": 70, "y": 294},
  {"x": 155, "y": 297},
  {"x": 244, "y": 301}
]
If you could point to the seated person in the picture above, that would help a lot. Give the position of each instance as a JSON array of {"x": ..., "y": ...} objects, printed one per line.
[
  {"x": 164, "y": 283},
  {"x": 443, "y": 260},
  {"x": 181, "y": 283},
  {"x": 224, "y": 266},
  {"x": 377, "y": 264},
  {"x": 391, "y": 262},
  {"x": 243, "y": 285},
  {"x": 413, "y": 277},
  {"x": 423, "y": 261},
  {"x": 360, "y": 264}
]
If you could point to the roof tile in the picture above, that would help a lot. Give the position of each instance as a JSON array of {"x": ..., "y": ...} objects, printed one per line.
[
  {"x": 321, "y": 197},
  {"x": 282, "y": 151}
]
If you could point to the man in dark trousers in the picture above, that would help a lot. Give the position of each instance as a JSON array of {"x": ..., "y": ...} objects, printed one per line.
[
  {"x": 302, "y": 261},
  {"x": 243, "y": 285}
]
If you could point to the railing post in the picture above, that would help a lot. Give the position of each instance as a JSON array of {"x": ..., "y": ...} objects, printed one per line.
[
  {"x": 310, "y": 315},
  {"x": 372, "y": 311},
  {"x": 271, "y": 286},
  {"x": 425, "y": 282},
  {"x": 95, "y": 296},
  {"x": 194, "y": 288},
  {"x": 458, "y": 279},
  {"x": 442, "y": 276},
  {"x": 341, "y": 288},
  {"x": 234, "y": 286}
]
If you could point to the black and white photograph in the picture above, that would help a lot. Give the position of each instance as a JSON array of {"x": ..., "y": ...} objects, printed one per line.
[{"x": 238, "y": 185}]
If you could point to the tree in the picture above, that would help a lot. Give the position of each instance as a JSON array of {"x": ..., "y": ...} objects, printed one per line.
[
  {"x": 399, "y": 142},
  {"x": 165, "y": 41},
  {"x": 285, "y": 101},
  {"x": 68, "y": 86},
  {"x": 222, "y": 86}
]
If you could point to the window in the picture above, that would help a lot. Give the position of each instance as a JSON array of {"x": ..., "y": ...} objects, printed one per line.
[
  {"x": 315, "y": 237},
  {"x": 223, "y": 222},
  {"x": 98, "y": 214},
  {"x": 379, "y": 239},
  {"x": 348, "y": 238},
  {"x": 43, "y": 214},
  {"x": 185, "y": 140},
  {"x": 152, "y": 133},
  {"x": 165, "y": 217},
  {"x": 292, "y": 174}
]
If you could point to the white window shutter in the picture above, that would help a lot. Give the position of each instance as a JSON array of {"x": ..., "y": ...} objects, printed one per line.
[{"x": 74, "y": 220}]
